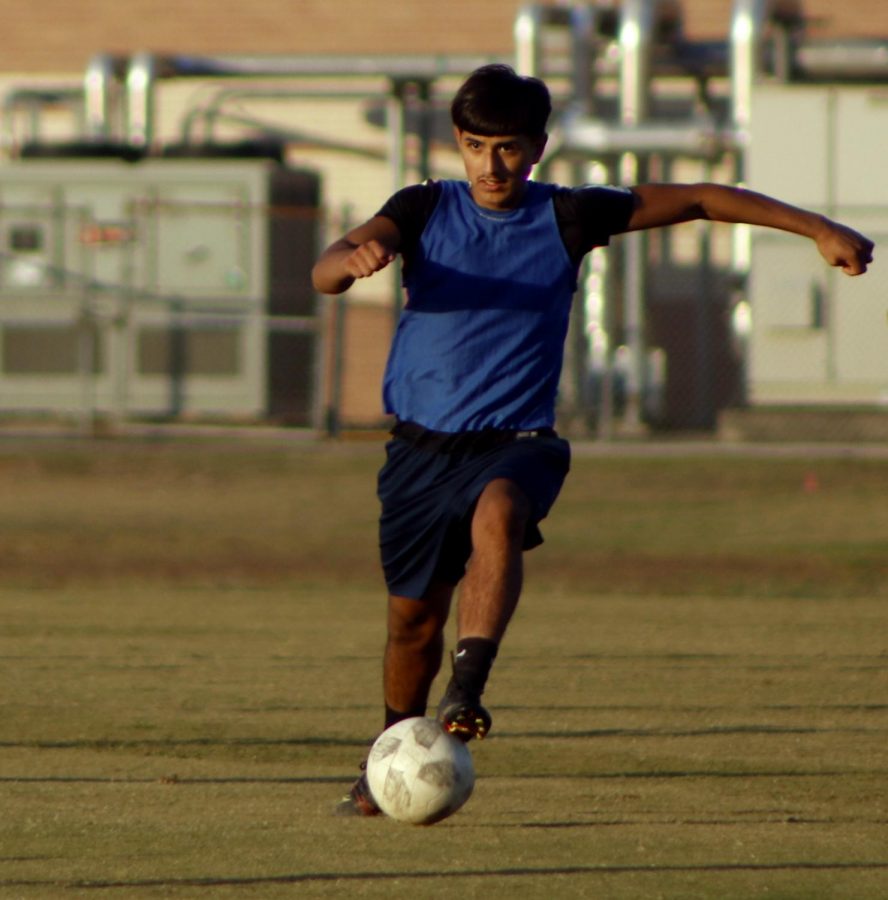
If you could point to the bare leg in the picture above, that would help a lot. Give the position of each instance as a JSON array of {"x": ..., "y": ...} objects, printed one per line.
[
  {"x": 415, "y": 647},
  {"x": 412, "y": 658},
  {"x": 487, "y": 601},
  {"x": 493, "y": 581}
]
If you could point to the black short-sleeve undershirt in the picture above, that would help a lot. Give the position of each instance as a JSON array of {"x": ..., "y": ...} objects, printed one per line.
[{"x": 586, "y": 216}]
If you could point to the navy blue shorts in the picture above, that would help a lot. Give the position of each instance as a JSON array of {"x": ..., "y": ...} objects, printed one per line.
[{"x": 428, "y": 497}]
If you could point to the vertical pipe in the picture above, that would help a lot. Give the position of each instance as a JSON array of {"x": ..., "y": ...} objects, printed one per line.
[
  {"x": 604, "y": 358},
  {"x": 526, "y": 33},
  {"x": 322, "y": 321},
  {"x": 744, "y": 62},
  {"x": 582, "y": 27},
  {"x": 424, "y": 113},
  {"x": 86, "y": 349},
  {"x": 745, "y": 57},
  {"x": 140, "y": 78},
  {"x": 395, "y": 120},
  {"x": 396, "y": 124},
  {"x": 119, "y": 338},
  {"x": 334, "y": 413},
  {"x": 704, "y": 414},
  {"x": 635, "y": 37},
  {"x": 573, "y": 391},
  {"x": 96, "y": 96},
  {"x": 334, "y": 314},
  {"x": 636, "y": 27}
]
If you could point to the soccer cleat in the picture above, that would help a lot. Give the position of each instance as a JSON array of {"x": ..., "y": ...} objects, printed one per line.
[
  {"x": 358, "y": 801},
  {"x": 462, "y": 714}
]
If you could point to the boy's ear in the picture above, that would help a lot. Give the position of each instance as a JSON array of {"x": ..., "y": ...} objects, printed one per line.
[
  {"x": 457, "y": 131},
  {"x": 539, "y": 148}
]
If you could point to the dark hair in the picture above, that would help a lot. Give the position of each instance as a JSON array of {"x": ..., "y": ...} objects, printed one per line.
[{"x": 496, "y": 100}]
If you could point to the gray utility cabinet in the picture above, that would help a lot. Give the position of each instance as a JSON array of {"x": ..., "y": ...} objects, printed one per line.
[
  {"x": 159, "y": 288},
  {"x": 819, "y": 336}
]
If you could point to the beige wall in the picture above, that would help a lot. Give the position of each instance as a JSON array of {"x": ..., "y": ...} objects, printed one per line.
[{"x": 59, "y": 36}]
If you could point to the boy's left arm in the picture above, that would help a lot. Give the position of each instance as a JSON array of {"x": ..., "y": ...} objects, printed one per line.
[{"x": 657, "y": 205}]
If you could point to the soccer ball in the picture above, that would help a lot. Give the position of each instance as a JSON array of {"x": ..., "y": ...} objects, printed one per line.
[{"x": 418, "y": 773}]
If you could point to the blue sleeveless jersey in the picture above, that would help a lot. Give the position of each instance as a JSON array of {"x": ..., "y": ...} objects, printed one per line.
[{"x": 480, "y": 342}]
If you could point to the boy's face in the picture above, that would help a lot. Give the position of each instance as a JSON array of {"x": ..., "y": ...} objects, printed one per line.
[{"x": 498, "y": 167}]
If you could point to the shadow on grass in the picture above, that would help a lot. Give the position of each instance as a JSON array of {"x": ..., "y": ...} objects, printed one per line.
[
  {"x": 348, "y": 779},
  {"x": 310, "y": 877},
  {"x": 174, "y": 780},
  {"x": 154, "y": 744},
  {"x": 174, "y": 743}
]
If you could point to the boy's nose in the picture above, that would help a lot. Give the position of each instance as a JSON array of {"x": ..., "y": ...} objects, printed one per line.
[{"x": 492, "y": 163}]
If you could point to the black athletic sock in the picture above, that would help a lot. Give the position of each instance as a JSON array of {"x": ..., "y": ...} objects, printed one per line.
[
  {"x": 394, "y": 715},
  {"x": 472, "y": 661}
]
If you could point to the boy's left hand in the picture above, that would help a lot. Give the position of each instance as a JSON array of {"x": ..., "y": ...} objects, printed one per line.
[{"x": 845, "y": 248}]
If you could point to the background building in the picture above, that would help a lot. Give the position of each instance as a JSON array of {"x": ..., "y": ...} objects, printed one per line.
[{"x": 171, "y": 169}]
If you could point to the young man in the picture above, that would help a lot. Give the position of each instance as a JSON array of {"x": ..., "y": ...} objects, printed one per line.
[{"x": 489, "y": 268}]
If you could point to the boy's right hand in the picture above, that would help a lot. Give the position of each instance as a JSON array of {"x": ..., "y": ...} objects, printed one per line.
[
  {"x": 362, "y": 252},
  {"x": 367, "y": 258}
]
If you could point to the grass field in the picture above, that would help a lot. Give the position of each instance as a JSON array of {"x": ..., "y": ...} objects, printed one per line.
[{"x": 692, "y": 701}]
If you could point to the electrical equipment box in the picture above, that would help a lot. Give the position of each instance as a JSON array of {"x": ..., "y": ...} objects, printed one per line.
[
  {"x": 818, "y": 336},
  {"x": 159, "y": 288}
]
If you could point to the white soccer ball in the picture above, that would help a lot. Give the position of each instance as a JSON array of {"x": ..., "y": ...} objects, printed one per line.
[{"x": 418, "y": 773}]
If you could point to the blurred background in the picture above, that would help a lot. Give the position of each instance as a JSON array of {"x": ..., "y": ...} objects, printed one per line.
[{"x": 168, "y": 173}]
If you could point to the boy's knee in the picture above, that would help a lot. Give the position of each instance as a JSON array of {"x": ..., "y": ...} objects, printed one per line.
[
  {"x": 503, "y": 511},
  {"x": 415, "y": 621}
]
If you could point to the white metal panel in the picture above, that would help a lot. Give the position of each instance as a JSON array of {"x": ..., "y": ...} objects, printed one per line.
[
  {"x": 789, "y": 142},
  {"x": 819, "y": 336},
  {"x": 788, "y": 282},
  {"x": 99, "y": 227},
  {"x": 199, "y": 232},
  {"x": 788, "y": 296},
  {"x": 861, "y": 147},
  {"x": 861, "y": 306},
  {"x": 202, "y": 237},
  {"x": 29, "y": 238}
]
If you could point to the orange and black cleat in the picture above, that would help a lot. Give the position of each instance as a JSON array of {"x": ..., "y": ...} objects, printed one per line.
[
  {"x": 462, "y": 714},
  {"x": 358, "y": 801}
]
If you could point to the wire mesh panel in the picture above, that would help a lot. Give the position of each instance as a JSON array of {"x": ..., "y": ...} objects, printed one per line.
[{"x": 174, "y": 287}]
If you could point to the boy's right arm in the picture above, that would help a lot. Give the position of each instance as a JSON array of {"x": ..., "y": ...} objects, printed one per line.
[{"x": 360, "y": 253}]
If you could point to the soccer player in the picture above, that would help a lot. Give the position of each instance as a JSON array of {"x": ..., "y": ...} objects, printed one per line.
[{"x": 490, "y": 267}]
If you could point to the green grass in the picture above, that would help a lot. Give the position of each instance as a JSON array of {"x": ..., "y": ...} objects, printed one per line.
[{"x": 691, "y": 701}]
